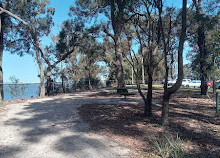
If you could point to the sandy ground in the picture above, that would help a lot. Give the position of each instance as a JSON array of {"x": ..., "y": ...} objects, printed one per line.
[{"x": 51, "y": 127}]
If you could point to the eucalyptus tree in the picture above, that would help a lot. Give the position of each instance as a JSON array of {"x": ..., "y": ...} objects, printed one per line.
[
  {"x": 166, "y": 40},
  {"x": 149, "y": 37},
  {"x": 3, "y": 31},
  {"x": 91, "y": 54},
  {"x": 144, "y": 28},
  {"x": 34, "y": 20},
  {"x": 117, "y": 13},
  {"x": 211, "y": 33},
  {"x": 5, "y": 36},
  {"x": 84, "y": 63},
  {"x": 204, "y": 18},
  {"x": 68, "y": 40},
  {"x": 214, "y": 47}
]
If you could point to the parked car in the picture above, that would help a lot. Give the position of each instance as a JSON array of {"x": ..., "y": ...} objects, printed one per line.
[
  {"x": 210, "y": 84},
  {"x": 194, "y": 84},
  {"x": 185, "y": 82},
  {"x": 171, "y": 82},
  {"x": 217, "y": 85}
]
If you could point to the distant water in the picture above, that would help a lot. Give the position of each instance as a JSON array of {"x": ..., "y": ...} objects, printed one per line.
[{"x": 29, "y": 91}]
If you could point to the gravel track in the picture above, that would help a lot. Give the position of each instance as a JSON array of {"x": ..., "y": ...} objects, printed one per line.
[{"x": 51, "y": 128}]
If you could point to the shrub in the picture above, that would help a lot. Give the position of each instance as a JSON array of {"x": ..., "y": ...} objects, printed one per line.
[{"x": 169, "y": 147}]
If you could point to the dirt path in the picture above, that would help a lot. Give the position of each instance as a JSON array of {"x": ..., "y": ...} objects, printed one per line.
[{"x": 51, "y": 127}]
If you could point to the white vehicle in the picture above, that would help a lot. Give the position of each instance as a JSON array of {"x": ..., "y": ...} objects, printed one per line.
[
  {"x": 194, "y": 84},
  {"x": 171, "y": 82},
  {"x": 186, "y": 82}
]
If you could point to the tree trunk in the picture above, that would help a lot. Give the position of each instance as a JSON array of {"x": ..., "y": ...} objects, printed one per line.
[
  {"x": 63, "y": 85},
  {"x": 165, "y": 109},
  {"x": 150, "y": 70},
  {"x": 132, "y": 76},
  {"x": 90, "y": 85},
  {"x": 214, "y": 86},
  {"x": 42, "y": 85},
  {"x": 117, "y": 19},
  {"x": 148, "y": 109},
  {"x": 203, "y": 62},
  {"x": 214, "y": 78},
  {"x": 202, "y": 47},
  {"x": 169, "y": 91},
  {"x": 62, "y": 77},
  {"x": 1, "y": 55},
  {"x": 49, "y": 81},
  {"x": 142, "y": 66},
  {"x": 171, "y": 71},
  {"x": 120, "y": 71}
]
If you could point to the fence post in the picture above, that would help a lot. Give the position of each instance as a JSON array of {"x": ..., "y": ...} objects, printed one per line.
[{"x": 217, "y": 101}]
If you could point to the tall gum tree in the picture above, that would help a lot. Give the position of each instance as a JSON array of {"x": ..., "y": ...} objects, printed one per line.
[
  {"x": 3, "y": 4},
  {"x": 148, "y": 36},
  {"x": 36, "y": 20},
  {"x": 169, "y": 91},
  {"x": 69, "y": 39},
  {"x": 117, "y": 13},
  {"x": 204, "y": 20}
]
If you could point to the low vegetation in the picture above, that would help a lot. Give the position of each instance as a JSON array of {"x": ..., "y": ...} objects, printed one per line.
[{"x": 169, "y": 146}]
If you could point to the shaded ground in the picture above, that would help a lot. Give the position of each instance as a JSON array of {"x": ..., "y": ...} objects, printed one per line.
[
  {"x": 51, "y": 127},
  {"x": 192, "y": 117},
  {"x": 3, "y": 110}
]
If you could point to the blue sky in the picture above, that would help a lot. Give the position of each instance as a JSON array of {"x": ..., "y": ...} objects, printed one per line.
[{"x": 25, "y": 68}]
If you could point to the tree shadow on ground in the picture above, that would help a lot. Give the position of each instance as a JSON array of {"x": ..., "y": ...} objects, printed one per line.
[
  {"x": 9, "y": 151},
  {"x": 118, "y": 119},
  {"x": 194, "y": 120},
  {"x": 115, "y": 116},
  {"x": 51, "y": 117}
]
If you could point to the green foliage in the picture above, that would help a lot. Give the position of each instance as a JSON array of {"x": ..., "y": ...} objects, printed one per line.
[
  {"x": 35, "y": 12},
  {"x": 206, "y": 18},
  {"x": 15, "y": 89},
  {"x": 84, "y": 83},
  {"x": 187, "y": 71},
  {"x": 168, "y": 146}
]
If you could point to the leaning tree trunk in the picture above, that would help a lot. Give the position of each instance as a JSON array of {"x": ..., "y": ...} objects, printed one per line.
[
  {"x": 169, "y": 91},
  {"x": 42, "y": 85},
  {"x": 1, "y": 56}
]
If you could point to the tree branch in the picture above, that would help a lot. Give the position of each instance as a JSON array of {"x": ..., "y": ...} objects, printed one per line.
[
  {"x": 14, "y": 16},
  {"x": 109, "y": 34}
]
